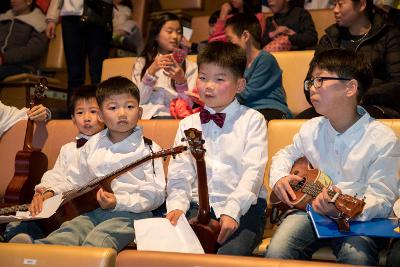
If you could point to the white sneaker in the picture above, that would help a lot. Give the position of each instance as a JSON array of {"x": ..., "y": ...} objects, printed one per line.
[{"x": 21, "y": 238}]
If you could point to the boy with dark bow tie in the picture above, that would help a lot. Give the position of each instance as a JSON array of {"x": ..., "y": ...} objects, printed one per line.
[{"x": 235, "y": 142}]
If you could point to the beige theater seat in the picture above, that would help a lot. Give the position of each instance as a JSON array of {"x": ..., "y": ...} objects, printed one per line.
[
  {"x": 22, "y": 255},
  {"x": 130, "y": 258}
]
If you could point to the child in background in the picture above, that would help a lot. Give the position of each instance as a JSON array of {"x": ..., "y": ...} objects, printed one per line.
[
  {"x": 157, "y": 73},
  {"x": 290, "y": 28},
  {"x": 126, "y": 33},
  {"x": 135, "y": 193},
  {"x": 234, "y": 7},
  {"x": 85, "y": 117},
  {"x": 264, "y": 91},
  {"x": 358, "y": 153},
  {"x": 235, "y": 154}
]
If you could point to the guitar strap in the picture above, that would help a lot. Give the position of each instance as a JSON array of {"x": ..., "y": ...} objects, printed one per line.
[{"x": 149, "y": 143}]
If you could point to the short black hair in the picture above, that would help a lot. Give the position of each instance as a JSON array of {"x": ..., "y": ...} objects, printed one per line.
[
  {"x": 83, "y": 92},
  {"x": 245, "y": 22},
  {"x": 346, "y": 64},
  {"x": 225, "y": 55},
  {"x": 214, "y": 17},
  {"x": 115, "y": 86}
]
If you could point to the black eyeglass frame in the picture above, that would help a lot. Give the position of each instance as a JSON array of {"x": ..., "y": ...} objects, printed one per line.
[{"x": 309, "y": 83}]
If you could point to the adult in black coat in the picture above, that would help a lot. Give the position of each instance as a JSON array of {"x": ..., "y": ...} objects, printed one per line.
[{"x": 360, "y": 29}]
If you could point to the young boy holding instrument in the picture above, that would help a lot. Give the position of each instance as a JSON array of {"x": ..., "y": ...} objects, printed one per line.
[
  {"x": 358, "y": 153},
  {"x": 135, "y": 193},
  {"x": 235, "y": 142},
  {"x": 85, "y": 110}
]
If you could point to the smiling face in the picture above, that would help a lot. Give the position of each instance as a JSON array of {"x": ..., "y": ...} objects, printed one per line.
[
  {"x": 86, "y": 116},
  {"x": 120, "y": 113},
  {"x": 169, "y": 36},
  {"x": 218, "y": 86}
]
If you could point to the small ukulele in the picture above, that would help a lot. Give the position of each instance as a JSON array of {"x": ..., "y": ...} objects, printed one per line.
[
  {"x": 312, "y": 183},
  {"x": 30, "y": 162},
  {"x": 205, "y": 228}
]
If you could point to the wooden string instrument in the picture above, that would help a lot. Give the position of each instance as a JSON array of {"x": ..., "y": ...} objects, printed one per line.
[
  {"x": 83, "y": 199},
  {"x": 205, "y": 228},
  {"x": 312, "y": 183},
  {"x": 30, "y": 162}
]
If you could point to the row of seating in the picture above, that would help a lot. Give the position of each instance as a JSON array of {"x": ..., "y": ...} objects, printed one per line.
[
  {"x": 294, "y": 65},
  {"x": 54, "y": 134}
]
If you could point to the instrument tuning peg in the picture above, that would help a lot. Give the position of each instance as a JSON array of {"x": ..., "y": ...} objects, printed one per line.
[{"x": 202, "y": 141}]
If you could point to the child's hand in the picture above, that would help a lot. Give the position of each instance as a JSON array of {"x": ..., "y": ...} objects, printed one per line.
[
  {"x": 160, "y": 62},
  {"x": 37, "y": 201},
  {"x": 228, "y": 227},
  {"x": 106, "y": 199},
  {"x": 37, "y": 113},
  {"x": 173, "y": 216},
  {"x": 322, "y": 204},
  {"x": 175, "y": 72},
  {"x": 284, "y": 191},
  {"x": 225, "y": 9}
]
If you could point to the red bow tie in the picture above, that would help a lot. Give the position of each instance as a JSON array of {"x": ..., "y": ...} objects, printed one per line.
[
  {"x": 80, "y": 142},
  {"x": 218, "y": 118}
]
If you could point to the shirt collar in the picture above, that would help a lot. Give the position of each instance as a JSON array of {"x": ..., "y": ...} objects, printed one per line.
[
  {"x": 230, "y": 110},
  {"x": 354, "y": 133}
]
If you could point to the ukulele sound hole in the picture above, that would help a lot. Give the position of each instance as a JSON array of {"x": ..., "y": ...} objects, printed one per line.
[{"x": 299, "y": 185}]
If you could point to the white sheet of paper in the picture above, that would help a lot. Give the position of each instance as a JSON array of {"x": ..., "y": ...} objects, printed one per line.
[
  {"x": 187, "y": 33},
  {"x": 50, "y": 206},
  {"x": 158, "y": 234}
]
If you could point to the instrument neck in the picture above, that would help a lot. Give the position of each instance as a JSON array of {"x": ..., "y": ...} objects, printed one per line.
[
  {"x": 29, "y": 133},
  {"x": 204, "y": 205}
]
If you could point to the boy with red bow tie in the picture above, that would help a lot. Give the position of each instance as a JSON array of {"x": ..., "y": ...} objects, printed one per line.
[{"x": 235, "y": 142}]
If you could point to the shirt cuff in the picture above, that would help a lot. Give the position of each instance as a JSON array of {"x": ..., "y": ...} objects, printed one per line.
[
  {"x": 232, "y": 209},
  {"x": 149, "y": 80},
  {"x": 180, "y": 88},
  {"x": 175, "y": 205}
]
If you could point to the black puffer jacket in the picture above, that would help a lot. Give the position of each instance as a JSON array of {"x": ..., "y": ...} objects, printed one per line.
[{"x": 382, "y": 48}]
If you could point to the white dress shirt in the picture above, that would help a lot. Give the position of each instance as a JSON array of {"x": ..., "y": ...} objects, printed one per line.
[
  {"x": 61, "y": 178},
  {"x": 138, "y": 190},
  {"x": 236, "y": 156},
  {"x": 9, "y": 116},
  {"x": 157, "y": 92},
  {"x": 364, "y": 160}
]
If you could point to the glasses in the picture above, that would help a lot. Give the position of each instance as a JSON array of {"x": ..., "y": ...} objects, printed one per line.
[{"x": 317, "y": 82}]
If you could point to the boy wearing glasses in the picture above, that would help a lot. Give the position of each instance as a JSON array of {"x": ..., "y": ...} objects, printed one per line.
[{"x": 358, "y": 153}]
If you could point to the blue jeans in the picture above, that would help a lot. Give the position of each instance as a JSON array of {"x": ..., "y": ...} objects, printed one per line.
[
  {"x": 98, "y": 228},
  {"x": 296, "y": 239},
  {"x": 393, "y": 256},
  {"x": 27, "y": 227},
  {"x": 249, "y": 234}
]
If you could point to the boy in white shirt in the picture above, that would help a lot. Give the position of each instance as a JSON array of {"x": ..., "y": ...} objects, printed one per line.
[
  {"x": 85, "y": 110},
  {"x": 135, "y": 193},
  {"x": 235, "y": 155},
  {"x": 11, "y": 115},
  {"x": 358, "y": 153}
]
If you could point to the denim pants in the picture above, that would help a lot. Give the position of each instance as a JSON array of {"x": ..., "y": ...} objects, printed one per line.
[
  {"x": 296, "y": 239},
  {"x": 27, "y": 227},
  {"x": 98, "y": 228},
  {"x": 249, "y": 234},
  {"x": 393, "y": 256}
]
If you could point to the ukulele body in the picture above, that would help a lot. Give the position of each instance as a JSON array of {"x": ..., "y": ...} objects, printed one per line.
[{"x": 29, "y": 169}]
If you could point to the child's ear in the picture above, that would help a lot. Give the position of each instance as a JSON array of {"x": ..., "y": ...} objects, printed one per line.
[
  {"x": 73, "y": 119},
  {"x": 241, "y": 84},
  {"x": 100, "y": 116},
  {"x": 246, "y": 35},
  {"x": 352, "y": 88},
  {"x": 140, "y": 112}
]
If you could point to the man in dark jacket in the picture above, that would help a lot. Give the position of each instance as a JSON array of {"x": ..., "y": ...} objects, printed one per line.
[{"x": 359, "y": 29}]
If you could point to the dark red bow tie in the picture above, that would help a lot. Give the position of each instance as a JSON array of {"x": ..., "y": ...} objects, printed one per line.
[
  {"x": 218, "y": 118},
  {"x": 80, "y": 142}
]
